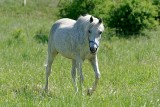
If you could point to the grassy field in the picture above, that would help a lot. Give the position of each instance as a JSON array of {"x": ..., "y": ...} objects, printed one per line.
[{"x": 130, "y": 68}]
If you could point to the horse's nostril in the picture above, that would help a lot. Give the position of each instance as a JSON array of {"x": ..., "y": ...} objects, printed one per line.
[{"x": 93, "y": 50}]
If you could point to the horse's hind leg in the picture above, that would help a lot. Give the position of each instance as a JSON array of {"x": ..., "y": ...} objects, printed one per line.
[
  {"x": 51, "y": 56},
  {"x": 73, "y": 74},
  {"x": 77, "y": 65},
  {"x": 79, "y": 62}
]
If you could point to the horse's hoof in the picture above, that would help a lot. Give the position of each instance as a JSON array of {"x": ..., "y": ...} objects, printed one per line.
[
  {"x": 90, "y": 91},
  {"x": 45, "y": 89}
]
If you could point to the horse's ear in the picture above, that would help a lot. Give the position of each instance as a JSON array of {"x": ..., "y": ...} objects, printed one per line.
[
  {"x": 100, "y": 21},
  {"x": 91, "y": 19}
]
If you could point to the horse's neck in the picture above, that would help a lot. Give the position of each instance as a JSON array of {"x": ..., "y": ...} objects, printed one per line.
[{"x": 80, "y": 30}]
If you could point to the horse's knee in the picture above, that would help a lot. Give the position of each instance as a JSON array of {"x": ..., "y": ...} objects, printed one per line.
[
  {"x": 82, "y": 78},
  {"x": 98, "y": 75},
  {"x": 73, "y": 73},
  {"x": 48, "y": 70}
]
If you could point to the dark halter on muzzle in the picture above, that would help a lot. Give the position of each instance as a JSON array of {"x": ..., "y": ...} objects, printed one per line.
[{"x": 93, "y": 43}]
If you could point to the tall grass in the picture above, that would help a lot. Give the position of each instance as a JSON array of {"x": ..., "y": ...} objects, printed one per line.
[{"x": 130, "y": 68}]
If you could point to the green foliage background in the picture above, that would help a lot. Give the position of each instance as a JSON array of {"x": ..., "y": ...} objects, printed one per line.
[
  {"x": 132, "y": 17},
  {"x": 127, "y": 17},
  {"x": 130, "y": 68}
]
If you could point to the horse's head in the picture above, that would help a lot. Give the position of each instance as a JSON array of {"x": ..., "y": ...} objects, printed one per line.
[{"x": 94, "y": 33}]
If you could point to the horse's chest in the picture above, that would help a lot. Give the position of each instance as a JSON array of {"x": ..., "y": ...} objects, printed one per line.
[{"x": 85, "y": 53}]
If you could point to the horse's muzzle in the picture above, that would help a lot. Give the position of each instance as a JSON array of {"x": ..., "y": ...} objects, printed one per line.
[{"x": 93, "y": 48}]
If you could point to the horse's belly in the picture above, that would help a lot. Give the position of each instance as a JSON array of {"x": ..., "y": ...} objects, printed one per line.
[
  {"x": 65, "y": 49},
  {"x": 70, "y": 56},
  {"x": 67, "y": 52}
]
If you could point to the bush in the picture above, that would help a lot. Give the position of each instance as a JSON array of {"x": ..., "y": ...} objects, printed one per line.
[
  {"x": 41, "y": 36},
  {"x": 157, "y": 3},
  {"x": 73, "y": 9},
  {"x": 131, "y": 17},
  {"x": 18, "y": 36}
]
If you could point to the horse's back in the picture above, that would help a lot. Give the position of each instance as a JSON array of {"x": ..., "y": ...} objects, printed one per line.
[
  {"x": 60, "y": 36},
  {"x": 65, "y": 22}
]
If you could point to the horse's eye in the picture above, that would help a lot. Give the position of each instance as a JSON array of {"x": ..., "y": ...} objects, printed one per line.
[
  {"x": 89, "y": 31},
  {"x": 100, "y": 32}
]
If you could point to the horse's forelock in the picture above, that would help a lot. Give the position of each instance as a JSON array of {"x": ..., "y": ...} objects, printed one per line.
[
  {"x": 84, "y": 18},
  {"x": 85, "y": 21},
  {"x": 87, "y": 17}
]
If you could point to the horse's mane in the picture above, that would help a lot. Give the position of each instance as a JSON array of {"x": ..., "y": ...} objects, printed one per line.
[
  {"x": 84, "y": 21},
  {"x": 84, "y": 18},
  {"x": 81, "y": 27},
  {"x": 82, "y": 24}
]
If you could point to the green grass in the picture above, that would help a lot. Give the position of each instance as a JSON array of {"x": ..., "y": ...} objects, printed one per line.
[{"x": 130, "y": 68}]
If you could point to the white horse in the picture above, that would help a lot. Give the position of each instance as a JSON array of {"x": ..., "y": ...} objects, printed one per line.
[{"x": 76, "y": 40}]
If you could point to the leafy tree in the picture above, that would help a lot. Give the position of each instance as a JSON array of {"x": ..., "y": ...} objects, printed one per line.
[
  {"x": 74, "y": 8},
  {"x": 126, "y": 16},
  {"x": 132, "y": 17}
]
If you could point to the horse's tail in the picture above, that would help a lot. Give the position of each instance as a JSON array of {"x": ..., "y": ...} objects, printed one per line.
[
  {"x": 53, "y": 29},
  {"x": 45, "y": 63}
]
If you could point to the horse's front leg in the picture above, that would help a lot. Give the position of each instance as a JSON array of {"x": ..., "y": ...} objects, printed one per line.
[
  {"x": 79, "y": 68},
  {"x": 79, "y": 62},
  {"x": 73, "y": 74},
  {"x": 94, "y": 63}
]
